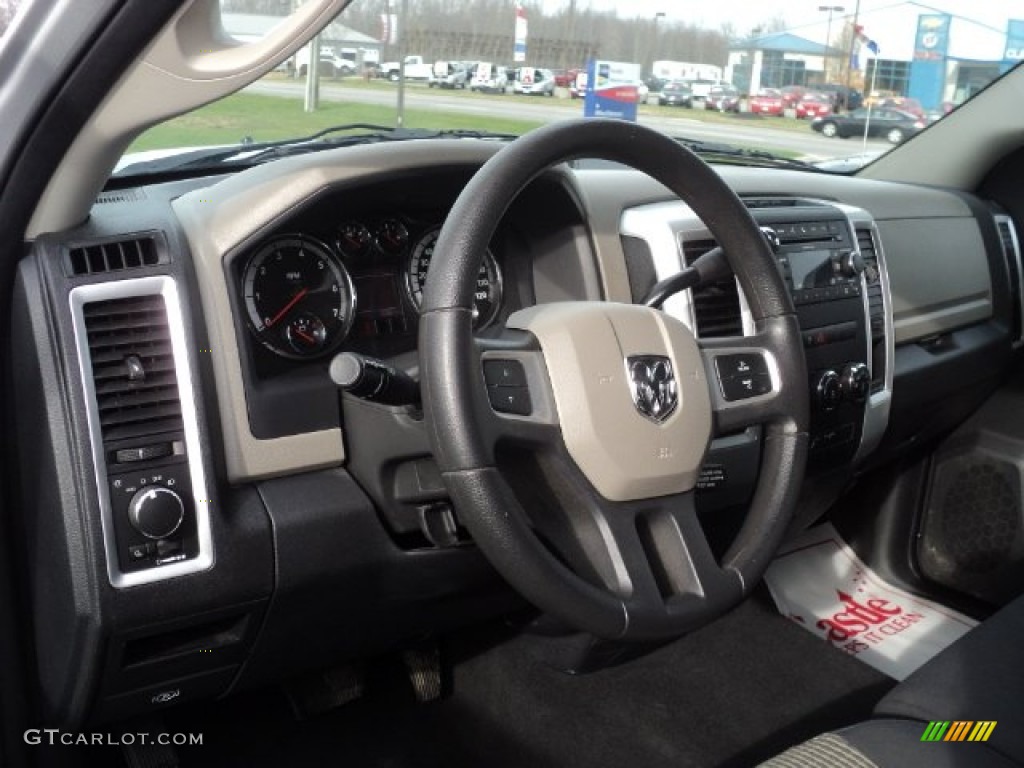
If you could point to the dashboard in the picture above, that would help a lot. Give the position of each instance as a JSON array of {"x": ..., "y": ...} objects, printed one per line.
[{"x": 232, "y": 501}]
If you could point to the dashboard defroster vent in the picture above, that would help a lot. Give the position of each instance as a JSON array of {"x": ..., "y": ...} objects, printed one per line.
[
  {"x": 716, "y": 306},
  {"x": 114, "y": 256},
  {"x": 133, "y": 367},
  {"x": 1011, "y": 250},
  {"x": 876, "y": 306}
]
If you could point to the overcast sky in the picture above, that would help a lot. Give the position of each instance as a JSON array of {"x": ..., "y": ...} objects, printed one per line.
[{"x": 802, "y": 16}]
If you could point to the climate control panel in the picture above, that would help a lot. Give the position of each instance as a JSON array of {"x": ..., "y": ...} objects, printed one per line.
[{"x": 154, "y": 519}]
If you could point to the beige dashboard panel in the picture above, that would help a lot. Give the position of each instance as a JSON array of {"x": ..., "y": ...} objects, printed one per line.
[{"x": 236, "y": 211}]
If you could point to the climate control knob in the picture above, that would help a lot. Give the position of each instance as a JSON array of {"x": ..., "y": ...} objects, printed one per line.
[
  {"x": 156, "y": 512},
  {"x": 851, "y": 264},
  {"x": 855, "y": 382},
  {"x": 830, "y": 392}
]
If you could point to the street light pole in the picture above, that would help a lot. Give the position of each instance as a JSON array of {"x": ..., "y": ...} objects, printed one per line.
[
  {"x": 654, "y": 48},
  {"x": 830, "y": 9}
]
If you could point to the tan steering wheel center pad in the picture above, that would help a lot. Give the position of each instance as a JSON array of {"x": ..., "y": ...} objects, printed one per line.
[{"x": 631, "y": 393}]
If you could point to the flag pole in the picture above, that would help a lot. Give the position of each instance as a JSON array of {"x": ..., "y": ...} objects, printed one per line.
[{"x": 870, "y": 100}]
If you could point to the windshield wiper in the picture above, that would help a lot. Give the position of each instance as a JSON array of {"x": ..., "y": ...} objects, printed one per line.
[
  {"x": 743, "y": 156},
  {"x": 254, "y": 153}
]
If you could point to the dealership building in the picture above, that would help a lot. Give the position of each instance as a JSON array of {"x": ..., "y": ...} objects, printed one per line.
[{"x": 922, "y": 53}]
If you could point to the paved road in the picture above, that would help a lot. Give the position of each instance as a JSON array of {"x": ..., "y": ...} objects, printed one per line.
[{"x": 809, "y": 144}]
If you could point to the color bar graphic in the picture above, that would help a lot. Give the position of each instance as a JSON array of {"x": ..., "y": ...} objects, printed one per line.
[{"x": 958, "y": 730}]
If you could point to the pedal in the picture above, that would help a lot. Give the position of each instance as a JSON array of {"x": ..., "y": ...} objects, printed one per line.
[
  {"x": 325, "y": 690},
  {"x": 424, "y": 667},
  {"x": 151, "y": 754}
]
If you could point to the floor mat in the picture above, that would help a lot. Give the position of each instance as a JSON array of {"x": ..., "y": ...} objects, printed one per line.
[{"x": 820, "y": 584}]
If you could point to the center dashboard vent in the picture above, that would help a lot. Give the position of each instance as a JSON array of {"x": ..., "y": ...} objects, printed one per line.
[
  {"x": 716, "y": 306},
  {"x": 876, "y": 306},
  {"x": 114, "y": 256},
  {"x": 133, "y": 367}
]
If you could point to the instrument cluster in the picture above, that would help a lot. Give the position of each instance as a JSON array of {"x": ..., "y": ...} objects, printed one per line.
[{"x": 305, "y": 294}]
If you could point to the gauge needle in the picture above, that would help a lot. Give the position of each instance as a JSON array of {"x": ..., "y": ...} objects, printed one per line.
[
  {"x": 284, "y": 310},
  {"x": 305, "y": 336}
]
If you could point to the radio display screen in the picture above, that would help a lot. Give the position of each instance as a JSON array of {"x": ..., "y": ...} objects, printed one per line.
[{"x": 810, "y": 269}]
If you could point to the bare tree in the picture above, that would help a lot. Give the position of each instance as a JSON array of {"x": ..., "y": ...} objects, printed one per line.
[{"x": 7, "y": 9}]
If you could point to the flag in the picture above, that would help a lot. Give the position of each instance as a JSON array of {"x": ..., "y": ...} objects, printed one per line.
[
  {"x": 861, "y": 40},
  {"x": 519, "y": 44}
]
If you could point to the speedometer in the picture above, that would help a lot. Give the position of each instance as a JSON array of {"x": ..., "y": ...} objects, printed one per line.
[{"x": 487, "y": 299}]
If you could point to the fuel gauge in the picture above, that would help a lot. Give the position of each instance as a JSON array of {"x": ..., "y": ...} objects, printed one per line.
[{"x": 306, "y": 334}]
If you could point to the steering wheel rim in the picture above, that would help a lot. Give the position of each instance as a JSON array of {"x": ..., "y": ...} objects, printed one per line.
[{"x": 684, "y": 589}]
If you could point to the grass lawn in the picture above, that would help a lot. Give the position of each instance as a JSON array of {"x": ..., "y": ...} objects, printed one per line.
[{"x": 265, "y": 118}]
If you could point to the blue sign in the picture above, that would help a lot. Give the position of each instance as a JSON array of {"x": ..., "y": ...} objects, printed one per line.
[
  {"x": 928, "y": 69},
  {"x": 1014, "y": 50},
  {"x": 611, "y": 91}
]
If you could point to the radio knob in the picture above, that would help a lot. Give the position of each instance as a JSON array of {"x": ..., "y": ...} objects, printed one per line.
[
  {"x": 156, "y": 512},
  {"x": 851, "y": 264},
  {"x": 856, "y": 382},
  {"x": 830, "y": 393}
]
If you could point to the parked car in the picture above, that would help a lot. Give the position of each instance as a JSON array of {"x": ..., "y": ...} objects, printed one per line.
[
  {"x": 531, "y": 81},
  {"x": 676, "y": 94},
  {"x": 489, "y": 78},
  {"x": 701, "y": 87},
  {"x": 843, "y": 98},
  {"x": 791, "y": 95},
  {"x": 894, "y": 125},
  {"x": 814, "y": 105},
  {"x": 564, "y": 78},
  {"x": 767, "y": 101},
  {"x": 724, "y": 98},
  {"x": 902, "y": 104},
  {"x": 331, "y": 65},
  {"x": 448, "y": 74}
]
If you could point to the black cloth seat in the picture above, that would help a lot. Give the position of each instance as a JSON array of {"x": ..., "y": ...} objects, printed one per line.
[{"x": 979, "y": 677}]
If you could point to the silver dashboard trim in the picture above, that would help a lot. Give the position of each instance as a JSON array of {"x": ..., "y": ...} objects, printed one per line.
[
  {"x": 664, "y": 225},
  {"x": 165, "y": 287},
  {"x": 1002, "y": 218},
  {"x": 878, "y": 405},
  {"x": 661, "y": 225}
]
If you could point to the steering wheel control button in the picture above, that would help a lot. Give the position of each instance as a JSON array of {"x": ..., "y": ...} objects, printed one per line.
[
  {"x": 740, "y": 365},
  {"x": 743, "y": 376},
  {"x": 830, "y": 391},
  {"x": 156, "y": 512},
  {"x": 746, "y": 387},
  {"x": 513, "y": 400},
  {"x": 504, "y": 373}
]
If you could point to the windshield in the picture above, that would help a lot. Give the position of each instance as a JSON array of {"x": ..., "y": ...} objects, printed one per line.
[{"x": 771, "y": 77}]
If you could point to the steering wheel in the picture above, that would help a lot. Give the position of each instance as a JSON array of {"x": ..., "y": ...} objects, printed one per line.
[{"x": 609, "y": 409}]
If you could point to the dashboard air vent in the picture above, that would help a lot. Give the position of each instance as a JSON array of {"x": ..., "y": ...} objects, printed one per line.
[
  {"x": 119, "y": 196},
  {"x": 1011, "y": 250},
  {"x": 771, "y": 202},
  {"x": 716, "y": 306},
  {"x": 114, "y": 256},
  {"x": 133, "y": 367},
  {"x": 876, "y": 306}
]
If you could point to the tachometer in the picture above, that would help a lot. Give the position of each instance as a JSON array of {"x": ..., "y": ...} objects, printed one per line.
[
  {"x": 487, "y": 300},
  {"x": 298, "y": 297}
]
